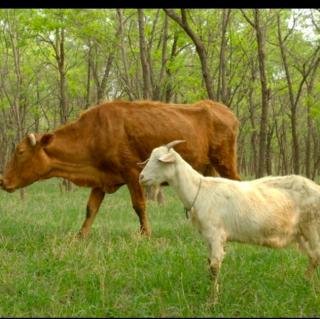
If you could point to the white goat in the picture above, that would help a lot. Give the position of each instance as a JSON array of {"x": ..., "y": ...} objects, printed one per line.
[{"x": 270, "y": 211}]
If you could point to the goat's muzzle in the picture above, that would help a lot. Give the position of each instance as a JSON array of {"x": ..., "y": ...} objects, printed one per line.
[
  {"x": 144, "y": 181},
  {"x": 141, "y": 177}
]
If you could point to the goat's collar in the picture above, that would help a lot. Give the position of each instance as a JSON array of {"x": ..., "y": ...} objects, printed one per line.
[{"x": 187, "y": 210}]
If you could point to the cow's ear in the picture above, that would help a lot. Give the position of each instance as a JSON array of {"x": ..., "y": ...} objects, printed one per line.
[
  {"x": 167, "y": 158},
  {"x": 46, "y": 139}
]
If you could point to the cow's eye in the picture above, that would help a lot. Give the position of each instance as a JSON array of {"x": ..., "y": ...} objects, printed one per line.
[{"x": 20, "y": 151}]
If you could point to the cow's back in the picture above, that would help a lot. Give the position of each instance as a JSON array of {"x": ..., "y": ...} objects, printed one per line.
[
  {"x": 126, "y": 132},
  {"x": 142, "y": 126}
]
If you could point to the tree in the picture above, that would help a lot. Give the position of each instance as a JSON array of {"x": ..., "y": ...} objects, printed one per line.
[
  {"x": 265, "y": 92},
  {"x": 183, "y": 22}
]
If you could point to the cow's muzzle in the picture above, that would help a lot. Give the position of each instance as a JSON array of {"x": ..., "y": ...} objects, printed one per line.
[
  {"x": 4, "y": 186},
  {"x": 8, "y": 189}
]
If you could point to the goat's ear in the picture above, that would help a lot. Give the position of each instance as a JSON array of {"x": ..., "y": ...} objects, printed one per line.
[
  {"x": 46, "y": 139},
  {"x": 167, "y": 158}
]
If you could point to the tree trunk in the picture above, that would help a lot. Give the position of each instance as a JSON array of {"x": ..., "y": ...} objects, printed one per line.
[
  {"x": 252, "y": 111},
  {"x": 17, "y": 98},
  {"x": 124, "y": 57},
  {"x": 293, "y": 106},
  {"x": 221, "y": 89},
  {"x": 164, "y": 59},
  {"x": 89, "y": 75},
  {"x": 310, "y": 128},
  {"x": 60, "y": 57},
  {"x": 260, "y": 36},
  {"x": 147, "y": 86},
  {"x": 308, "y": 140},
  {"x": 268, "y": 150},
  {"x": 103, "y": 84},
  {"x": 169, "y": 87}
]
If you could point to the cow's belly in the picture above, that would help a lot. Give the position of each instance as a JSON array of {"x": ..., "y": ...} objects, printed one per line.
[
  {"x": 112, "y": 188},
  {"x": 109, "y": 182}
]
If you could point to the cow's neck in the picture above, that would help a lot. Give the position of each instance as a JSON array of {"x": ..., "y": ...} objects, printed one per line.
[
  {"x": 69, "y": 158},
  {"x": 69, "y": 142}
]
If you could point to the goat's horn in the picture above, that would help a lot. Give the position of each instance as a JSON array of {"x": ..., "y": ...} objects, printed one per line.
[
  {"x": 173, "y": 143},
  {"x": 32, "y": 139},
  {"x": 141, "y": 164}
]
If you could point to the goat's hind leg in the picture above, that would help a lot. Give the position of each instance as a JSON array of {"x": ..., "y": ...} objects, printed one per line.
[{"x": 310, "y": 243}]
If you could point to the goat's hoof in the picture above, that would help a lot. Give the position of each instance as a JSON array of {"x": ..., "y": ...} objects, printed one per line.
[
  {"x": 309, "y": 273},
  {"x": 213, "y": 300}
]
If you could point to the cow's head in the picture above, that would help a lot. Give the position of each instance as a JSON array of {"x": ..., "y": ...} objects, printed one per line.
[{"x": 29, "y": 163}]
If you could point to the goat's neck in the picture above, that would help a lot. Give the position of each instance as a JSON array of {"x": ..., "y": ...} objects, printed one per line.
[{"x": 186, "y": 183}]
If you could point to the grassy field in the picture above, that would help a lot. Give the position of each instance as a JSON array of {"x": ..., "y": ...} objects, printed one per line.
[{"x": 45, "y": 271}]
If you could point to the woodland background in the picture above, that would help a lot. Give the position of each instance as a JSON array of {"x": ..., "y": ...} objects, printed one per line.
[{"x": 262, "y": 63}]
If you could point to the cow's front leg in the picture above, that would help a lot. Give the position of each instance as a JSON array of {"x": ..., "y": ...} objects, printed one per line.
[
  {"x": 139, "y": 202},
  {"x": 94, "y": 203}
]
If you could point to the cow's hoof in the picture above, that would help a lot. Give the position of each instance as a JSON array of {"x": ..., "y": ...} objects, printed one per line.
[
  {"x": 146, "y": 233},
  {"x": 81, "y": 236}
]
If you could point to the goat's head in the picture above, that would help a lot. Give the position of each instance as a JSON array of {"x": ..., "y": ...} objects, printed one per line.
[{"x": 160, "y": 165}]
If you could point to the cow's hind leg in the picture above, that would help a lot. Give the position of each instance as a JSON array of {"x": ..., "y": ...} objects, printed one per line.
[
  {"x": 94, "y": 202},
  {"x": 138, "y": 202},
  {"x": 224, "y": 160}
]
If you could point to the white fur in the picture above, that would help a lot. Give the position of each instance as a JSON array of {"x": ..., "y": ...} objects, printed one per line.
[{"x": 270, "y": 211}]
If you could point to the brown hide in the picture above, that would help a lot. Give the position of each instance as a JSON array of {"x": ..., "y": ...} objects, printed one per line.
[{"x": 102, "y": 148}]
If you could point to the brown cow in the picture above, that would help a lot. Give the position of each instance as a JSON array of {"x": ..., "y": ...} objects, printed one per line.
[{"x": 102, "y": 148}]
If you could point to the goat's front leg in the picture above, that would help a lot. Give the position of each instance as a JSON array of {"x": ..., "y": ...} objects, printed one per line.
[
  {"x": 214, "y": 269},
  {"x": 216, "y": 254}
]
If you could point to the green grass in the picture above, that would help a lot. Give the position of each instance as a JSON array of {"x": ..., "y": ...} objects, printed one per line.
[{"x": 45, "y": 271}]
